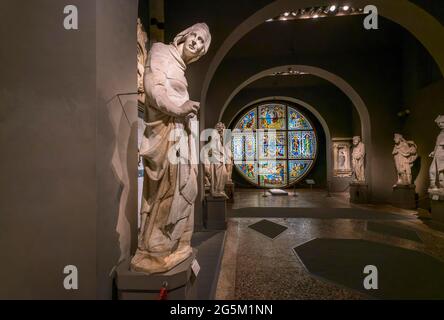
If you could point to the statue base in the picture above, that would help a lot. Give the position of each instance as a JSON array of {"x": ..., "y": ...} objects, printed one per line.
[
  {"x": 229, "y": 191},
  {"x": 215, "y": 213},
  {"x": 437, "y": 204},
  {"x": 180, "y": 281},
  {"x": 358, "y": 192},
  {"x": 404, "y": 196}
]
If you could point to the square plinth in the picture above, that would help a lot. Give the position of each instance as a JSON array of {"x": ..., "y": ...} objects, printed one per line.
[
  {"x": 404, "y": 196},
  {"x": 181, "y": 283},
  {"x": 358, "y": 193},
  {"x": 215, "y": 213},
  {"x": 438, "y": 210}
]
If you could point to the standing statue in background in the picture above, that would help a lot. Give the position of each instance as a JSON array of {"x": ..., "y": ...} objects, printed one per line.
[
  {"x": 217, "y": 165},
  {"x": 358, "y": 160},
  {"x": 142, "y": 55},
  {"x": 437, "y": 167},
  {"x": 170, "y": 184},
  {"x": 405, "y": 154}
]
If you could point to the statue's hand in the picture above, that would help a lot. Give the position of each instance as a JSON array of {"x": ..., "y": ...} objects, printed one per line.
[{"x": 189, "y": 107}]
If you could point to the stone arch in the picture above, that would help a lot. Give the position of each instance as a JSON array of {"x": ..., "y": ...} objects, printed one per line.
[
  {"x": 345, "y": 87},
  {"x": 429, "y": 32}
]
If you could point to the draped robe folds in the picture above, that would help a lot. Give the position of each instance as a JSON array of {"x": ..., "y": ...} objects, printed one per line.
[
  {"x": 405, "y": 155},
  {"x": 437, "y": 167},
  {"x": 216, "y": 170},
  {"x": 170, "y": 188},
  {"x": 358, "y": 157}
]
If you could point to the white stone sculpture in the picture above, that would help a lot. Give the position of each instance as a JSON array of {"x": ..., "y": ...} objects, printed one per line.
[
  {"x": 405, "y": 154},
  {"x": 142, "y": 55},
  {"x": 437, "y": 167},
  {"x": 170, "y": 188},
  {"x": 358, "y": 160},
  {"x": 218, "y": 164}
]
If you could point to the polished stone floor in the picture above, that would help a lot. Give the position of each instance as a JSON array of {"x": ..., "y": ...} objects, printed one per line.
[{"x": 257, "y": 267}]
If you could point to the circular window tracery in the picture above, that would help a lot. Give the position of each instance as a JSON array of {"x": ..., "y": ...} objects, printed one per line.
[{"x": 274, "y": 145}]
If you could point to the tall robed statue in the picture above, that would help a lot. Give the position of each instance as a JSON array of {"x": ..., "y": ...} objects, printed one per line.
[
  {"x": 404, "y": 154},
  {"x": 437, "y": 167},
  {"x": 358, "y": 160},
  {"x": 218, "y": 164},
  {"x": 170, "y": 184}
]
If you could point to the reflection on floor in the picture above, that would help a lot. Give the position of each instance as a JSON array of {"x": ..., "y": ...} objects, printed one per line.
[{"x": 257, "y": 267}]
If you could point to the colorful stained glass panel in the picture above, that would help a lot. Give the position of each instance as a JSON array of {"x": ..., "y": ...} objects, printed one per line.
[
  {"x": 249, "y": 170},
  {"x": 272, "y": 145},
  {"x": 297, "y": 121},
  {"x": 248, "y": 121},
  {"x": 272, "y": 117},
  {"x": 238, "y": 147},
  {"x": 301, "y": 145},
  {"x": 250, "y": 146},
  {"x": 273, "y": 173},
  {"x": 298, "y": 168}
]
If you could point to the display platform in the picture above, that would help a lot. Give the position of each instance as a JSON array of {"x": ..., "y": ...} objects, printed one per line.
[
  {"x": 404, "y": 196},
  {"x": 278, "y": 192},
  {"x": 179, "y": 281},
  {"x": 359, "y": 193},
  {"x": 437, "y": 204},
  {"x": 215, "y": 213}
]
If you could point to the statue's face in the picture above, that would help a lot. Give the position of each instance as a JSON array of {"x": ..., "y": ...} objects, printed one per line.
[
  {"x": 356, "y": 141},
  {"x": 441, "y": 124},
  {"x": 397, "y": 139},
  {"x": 194, "y": 44}
]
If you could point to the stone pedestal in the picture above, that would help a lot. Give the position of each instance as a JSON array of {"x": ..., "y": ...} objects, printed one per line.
[
  {"x": 437, "y": 204},
  {"x": 404, "y": 196},
  {"x": 358, "y": 192},
  {"x": 215, "y": 213},
  {"x": 229, "y": 191},
  {"x": 181, "y": 283}
]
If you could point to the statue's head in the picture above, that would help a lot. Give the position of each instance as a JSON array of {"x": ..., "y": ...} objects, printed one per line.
[
  {"x": 398, "y": 138},
  {"x": 220, "y": 127},
  {"x": 440, "y": 122},
  {"x": 196, "y": 41},
  {"x": 141, "y": 34},
  {"x": 356, "y": 140}
]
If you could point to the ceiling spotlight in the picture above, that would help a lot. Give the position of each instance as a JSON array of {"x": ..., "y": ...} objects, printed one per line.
[
  {"x": 293, "y": 14},
  {"x": 269, "y": 20},
  {"x": 346, "y": 8},
  {"x": 315, "y": 16},
  {"x": 333, "y": 8},
  {"x": 286, "y": 14}
]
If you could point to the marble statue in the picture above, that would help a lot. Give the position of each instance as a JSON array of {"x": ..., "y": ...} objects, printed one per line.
[
  {"x": 358, "y": 160},
  {"x": 437, "y": 167},
  {"x": 142, "y": 54},
  {"x": 405, "y": 154},
  {"x": 170, "y": 188},
  {"x": 217, "y": 165}
]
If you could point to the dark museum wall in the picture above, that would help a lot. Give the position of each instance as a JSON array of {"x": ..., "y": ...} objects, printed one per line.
[
  {"x": 68, "y": 151},
  {"x": 48, "y": 142},
  {"x": 116, "y": 137}
]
